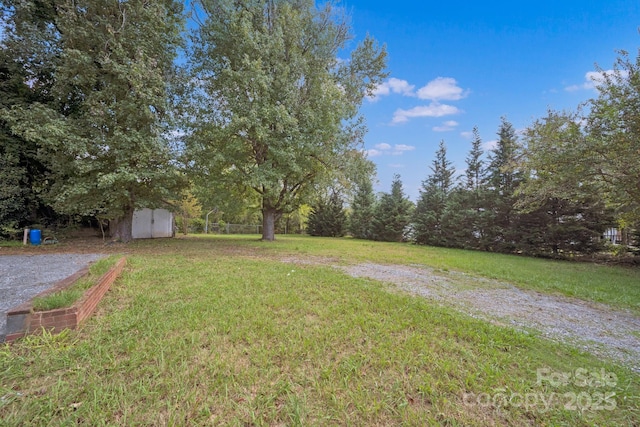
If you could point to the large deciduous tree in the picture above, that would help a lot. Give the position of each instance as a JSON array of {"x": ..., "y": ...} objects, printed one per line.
[
  {"x": 103, "y": 136},
  {"x": 28, "y": 55},
  {"x": 561, "y": 203},
  {"x": 612, "y": 146},
  {"x": 278, "y": 106}
]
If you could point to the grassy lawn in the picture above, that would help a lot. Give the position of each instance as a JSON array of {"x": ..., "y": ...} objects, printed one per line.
[
  {"x": 618, "y": 287},
  {"x": 217, "y": 331}
]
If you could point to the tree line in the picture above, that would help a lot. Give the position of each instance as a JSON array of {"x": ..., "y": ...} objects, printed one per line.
[
  {"x": 252, "y": 111},
  {"x": 109, "y": 106},
  {"x": 525, "y": 195}
]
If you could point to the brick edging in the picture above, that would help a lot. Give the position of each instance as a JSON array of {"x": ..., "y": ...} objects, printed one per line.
[{"x": 22, "y": 320}]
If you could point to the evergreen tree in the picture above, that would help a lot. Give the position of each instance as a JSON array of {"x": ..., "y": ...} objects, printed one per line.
[
  {"x": 327, "y": 217},
  {"x": 392, "y": 214},
  {"x": 501, "y": 222},
  {"x": 562, "y": 226},
  {"x": 466, "y": 208},
  {"x": 432, "y": 203},
  {"x": 362, "y": 208}
]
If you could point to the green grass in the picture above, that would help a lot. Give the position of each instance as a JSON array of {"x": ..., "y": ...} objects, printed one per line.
[
  {"x": 218, "y": 332},
  {"x": 10, "y": 243},
  {"x": 616, "y": 286},
  {"x": 68, "y": 296}
]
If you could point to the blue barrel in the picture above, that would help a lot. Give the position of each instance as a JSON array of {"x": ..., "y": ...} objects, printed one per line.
[{"x": 35, "y": 237}]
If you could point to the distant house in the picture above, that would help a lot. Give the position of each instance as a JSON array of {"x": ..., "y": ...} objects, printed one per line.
[
  {"x": 152, "y": 224},
  {"x": 613, "y": 235}
]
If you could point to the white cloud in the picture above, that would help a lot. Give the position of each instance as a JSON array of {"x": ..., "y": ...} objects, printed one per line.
[
  {"x": 593, "y": 79},
  {"x": 380, "y": 90},
  {"x": 392, "y": 85},
  {"x": 432, "y": 110},
  {"x": 403, "y": 147},
  {"x": 466, "y": 134},
  {"x": 385, "y": 149},
  {"x": 442, "y": 88},
  {"x": 400, "y": 149},
  {"x": 490, "y": 145},
  {"x": 401, "y": 86},
  {"x": 446, "y": 126}
]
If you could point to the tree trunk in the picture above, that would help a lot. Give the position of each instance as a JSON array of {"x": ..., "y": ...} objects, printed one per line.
[
  {"x": 185, "y": 224},
  {"x": 269, "y": 217},
  {"x": 122, "y": 227}
]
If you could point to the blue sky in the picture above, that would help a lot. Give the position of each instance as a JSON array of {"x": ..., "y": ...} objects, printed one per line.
[{"x": 458, "y": 64}]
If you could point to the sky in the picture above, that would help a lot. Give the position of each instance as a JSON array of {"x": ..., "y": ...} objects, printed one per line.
[{"x": 454, "y": 65}]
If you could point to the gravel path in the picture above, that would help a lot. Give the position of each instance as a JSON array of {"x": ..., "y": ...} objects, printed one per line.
[
  {"x": 22, "y": 277},
  {"x": 595, "y": 328}
]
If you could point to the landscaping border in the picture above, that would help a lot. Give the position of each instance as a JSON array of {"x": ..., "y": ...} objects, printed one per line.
[{"x": 23, "y": 320}]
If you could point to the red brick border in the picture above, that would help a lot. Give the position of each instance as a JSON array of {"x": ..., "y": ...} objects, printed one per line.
[{"x": 22, "y": 320}]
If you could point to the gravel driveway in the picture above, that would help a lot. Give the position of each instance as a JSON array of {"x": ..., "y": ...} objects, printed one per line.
[
  {"x": 595, "y": 328},
  {"x": 22, "y": 277}
]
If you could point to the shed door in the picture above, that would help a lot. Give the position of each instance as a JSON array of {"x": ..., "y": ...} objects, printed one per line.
[
  {"x": 142, "y": 225},
  {"x": 162, "y": 223}
]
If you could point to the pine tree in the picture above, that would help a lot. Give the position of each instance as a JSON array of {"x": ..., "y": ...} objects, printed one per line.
[
  {"x": 561, "y": 208},
  {"x": 327, "y": 217},
  {"x": 501, "y": 222},
  {"x": 362, "y": 208},
  {"x": 466, "y": 208},
  {"x": 432, "y": 203},
  {"x": 392, "y": 214},
  {"x": 560, "y": 227}
]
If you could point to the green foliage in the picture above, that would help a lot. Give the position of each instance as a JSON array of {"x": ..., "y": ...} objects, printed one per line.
[
  {"x": 28, "y": 53},
  {"x": 586, "y": 159},
  {"x": 563, "y": 226},
  {"x": 60, "y": 299},
  {"x": 362, "y": 209},
  {"x": 466, "y": 215},
  {"x": 392, "y": 214},
  {"x": 277, "y": 107},
  {"x": 612, "y": 145},
  {"x": 103, "y": 139},
  {"x": 562, "y": 206},
  {"x": 428, "y": 217},
  {"x": 189, "y": 210},
  {"x": 327, "y": 217},
  {"x": 503, "y": 178}
]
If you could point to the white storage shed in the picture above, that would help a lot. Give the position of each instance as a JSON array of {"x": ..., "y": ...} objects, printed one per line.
[{"x": 152, "y": 224}]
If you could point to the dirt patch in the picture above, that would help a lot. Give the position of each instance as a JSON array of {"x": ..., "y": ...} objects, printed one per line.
[{"x": 595, "y": 328}]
